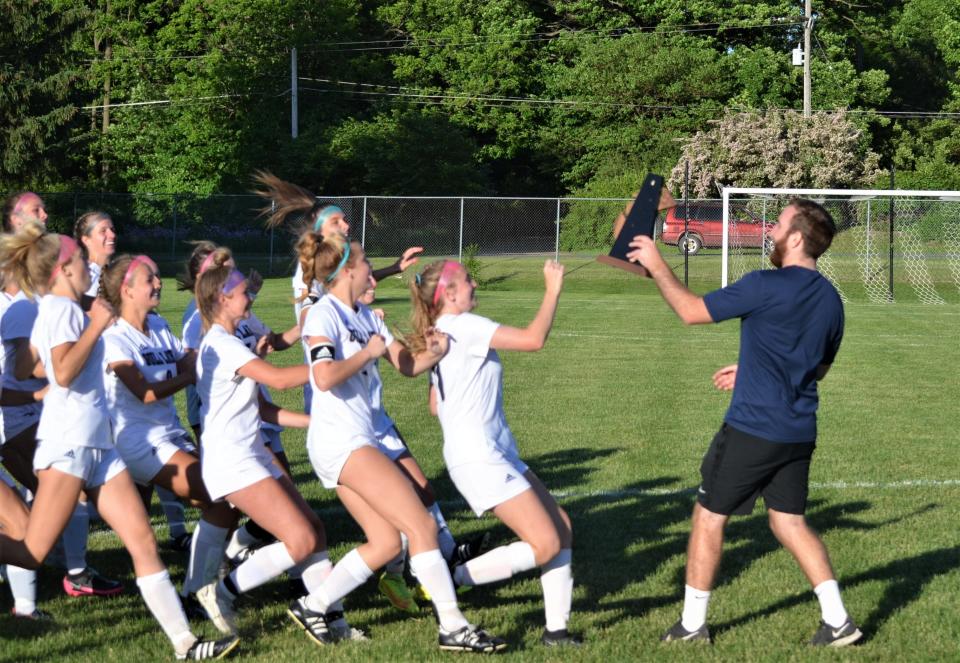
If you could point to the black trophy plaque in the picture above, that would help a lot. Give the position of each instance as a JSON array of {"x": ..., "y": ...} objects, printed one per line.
[{"x": 638, "y": 218}]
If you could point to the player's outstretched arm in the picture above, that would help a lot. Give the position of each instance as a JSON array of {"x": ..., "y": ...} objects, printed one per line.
[
  {"x": 688, "y": 306},
  {"x": 533, "y": 337}
]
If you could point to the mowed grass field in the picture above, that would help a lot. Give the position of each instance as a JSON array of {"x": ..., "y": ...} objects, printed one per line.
[{"x": 614, "y": 415}]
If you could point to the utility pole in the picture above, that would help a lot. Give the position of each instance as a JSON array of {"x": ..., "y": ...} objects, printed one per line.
[
  {"x": 293, "y": 93},
  {"x": 807, "y": 34}
]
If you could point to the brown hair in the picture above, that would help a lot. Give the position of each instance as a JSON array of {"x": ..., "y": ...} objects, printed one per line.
[
  {"x": 423, "y": 312},
  {"x": 814, "y": 224},
  {"x": 111, "y": 281},
  {"x": 30, "y": 256},
  {"x": 288, "y": 202},
  {"x": 10, "y": 204},
  {"x": 207, "y": 293},
  {"x": 187, "y": 280},
  {"x": 85, "y": 225},
  {"x": 319, "y": 257}
]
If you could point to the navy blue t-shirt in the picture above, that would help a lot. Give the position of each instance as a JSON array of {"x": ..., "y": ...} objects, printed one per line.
[{"x": 791, "y": 322}]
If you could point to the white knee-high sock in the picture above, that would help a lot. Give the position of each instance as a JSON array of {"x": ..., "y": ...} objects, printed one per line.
[
  {"x": 23, "y": 586},
  {"x": 695, "y": 602},
  {"x": 444, "y": 537},
  {"x": 556, "y": 577},
  {"x": 346, "y": 576},
  {"x": 314, "y": 570},
  {"x": 263, "y": 566},
  {"x": 498, "y": 564},
  {"x": 242, "y": 538},
  {"x": 432, "y": 572},
  {"x": 173, "y": 510},
  {"x": 75, "y": 539},
  {"x": 162, "y": 600},
  {"x": 832, "y": 610},
  {"x": 206, "y": 551}
]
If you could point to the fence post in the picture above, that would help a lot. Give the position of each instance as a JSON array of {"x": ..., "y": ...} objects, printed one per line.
[
  {"x": 686, "y": 222},
  {"x": 460, "y": 250},
  {"x": 363, "y": 225},
  {"x": 173, "y": 238},
  {"x": 556, "y": 246},
  {"x": 893, "y": 185}
]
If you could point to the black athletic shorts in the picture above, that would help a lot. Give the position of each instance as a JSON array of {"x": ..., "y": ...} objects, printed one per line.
[{"x": 739, "y": 467}]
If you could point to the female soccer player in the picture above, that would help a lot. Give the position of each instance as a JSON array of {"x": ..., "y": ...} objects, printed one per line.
[
  {"x": 74, "y": 451},
  {"x": 479, "y": 450},
  {"x": 98, "y": 240},
  {"x": 344, "y": 341},
  {"x": 145, "y": 366}
]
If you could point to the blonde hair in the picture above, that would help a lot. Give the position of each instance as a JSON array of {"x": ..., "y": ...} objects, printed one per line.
[
  {"x": 207, "y": 293},
  {"x": 424, "y": 312},
  {"x": 30, "y": 256},
  {"x": 320, "y": 257}
]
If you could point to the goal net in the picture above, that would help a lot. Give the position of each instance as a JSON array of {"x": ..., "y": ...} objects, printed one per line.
[{"x": 891, "y": 245}]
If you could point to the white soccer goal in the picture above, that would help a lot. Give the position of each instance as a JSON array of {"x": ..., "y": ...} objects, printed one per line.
[{"x": 891, "y": 245}]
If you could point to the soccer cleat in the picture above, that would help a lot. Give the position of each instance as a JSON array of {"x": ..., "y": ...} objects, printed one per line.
[
  {"x": 180, "y": 544},
  {"x": 90, "y": 583},
  {"x": 560, "y": 638},
  {"x": 205, "y": 650},
  {"x": 314, "y": 623},
  {"x": 469, "y": 549},
  {"x": 340, "y": 630},
  {"x": 192, "y": 608},
  {"x": 219, "y": 608},
  {"x": 677, "y": 633},
  {"x": 828, "y": 636},
  {"x": 37, "y": 615},
  {"x": 393, "y": 586},
  {"x": 471, "y": 639}
]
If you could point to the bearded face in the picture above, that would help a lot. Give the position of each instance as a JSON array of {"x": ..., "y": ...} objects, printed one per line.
[{"x": 776, "y": 255}]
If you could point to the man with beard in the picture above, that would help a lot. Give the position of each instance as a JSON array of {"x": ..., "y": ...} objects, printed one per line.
[{"x": 791, "y": 327}]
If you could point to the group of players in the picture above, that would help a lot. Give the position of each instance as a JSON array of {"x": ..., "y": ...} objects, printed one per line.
[{"x": 83, "y": 337}]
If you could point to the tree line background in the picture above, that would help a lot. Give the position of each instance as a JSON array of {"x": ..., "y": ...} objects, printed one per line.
[{"x": 495, "y": 97}]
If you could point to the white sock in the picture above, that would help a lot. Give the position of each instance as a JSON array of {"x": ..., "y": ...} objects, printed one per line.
[
  {"x": 349, "y": 573},
  {"x": 263, "y": 566},
  {"x": 173, "y": 510},
  {"x": 498, "y": 564},
  {"x": 831, "y": 605},
  {"x": 206, "y": 551},
  {"x": 432, "y": 572},
  {"x": 556, "y": 577},
  {"x": 314, "y": 571},
  {"x": 241, "y": 539},
  {"x": 75, "y": 539},
  {"x": 162, "y": 600},
  {"x": 694, "y": 608},
  {"x": 23, "y": 586},
  {"x": 444, "y": 537}
]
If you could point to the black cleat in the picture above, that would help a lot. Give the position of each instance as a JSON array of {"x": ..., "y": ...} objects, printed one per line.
[
  {"x": 828, "y": 636},
  {"x": 314, "y": 623},
  {"x": 677, "y": 633},
  {"x": 205, "y": 650},
  {"x": 471, "y": 639},
  {"x": 469, "y": 549},
  {"x": 561, "y": 638}
]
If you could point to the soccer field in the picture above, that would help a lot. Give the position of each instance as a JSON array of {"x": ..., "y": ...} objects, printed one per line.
[{"x": 614, "y": 415}]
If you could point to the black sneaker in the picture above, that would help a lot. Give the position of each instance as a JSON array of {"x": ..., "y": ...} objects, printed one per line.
[
  {"x": 677, "y": 633},
  {"x": 204, "y": 650},
  {"x": 469, "y": 549},
  {"x": 828, "y": 636},
  {"x": 314, "y": 623},
  {"x": 180, "y": 544},
  {"x": 90, "y": 583},
  {"x": 561, "y": 638},
  {"x": 471, "y": 639}
]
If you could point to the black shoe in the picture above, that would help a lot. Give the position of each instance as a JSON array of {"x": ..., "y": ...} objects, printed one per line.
[
  {"x": 469, "y": 549},
  {"x": 828, "y": 636},
  {"x": 180, "y": 544},
  {"x": 192, "y": 608},
  {"x": 471, "y": 639},
  {"x": 203, "y": 650},
  {"x": 314, "y": 623},
  {"x": 677, "y": 633},
  {"x": 90, "y": 583},
  {"x": 561, "y": 638}
]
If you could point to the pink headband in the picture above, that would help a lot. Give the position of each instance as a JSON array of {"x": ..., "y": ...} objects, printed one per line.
[
  {"x": 26, "y": 197},
  {"x": 449, "y": 270},
  {"x": 137, "y": 260},
  {"x": 68, "y": 246},
  {"x": 207, "y": 262}
]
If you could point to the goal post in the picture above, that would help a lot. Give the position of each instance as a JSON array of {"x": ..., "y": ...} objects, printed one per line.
[{"x": 890, "y": 245}]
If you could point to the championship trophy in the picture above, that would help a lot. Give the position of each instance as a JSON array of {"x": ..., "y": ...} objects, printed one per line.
[{"x": 638, "y": 218}]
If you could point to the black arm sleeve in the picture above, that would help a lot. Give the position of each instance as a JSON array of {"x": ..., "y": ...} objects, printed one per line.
[{"x": 380, "y": 274}]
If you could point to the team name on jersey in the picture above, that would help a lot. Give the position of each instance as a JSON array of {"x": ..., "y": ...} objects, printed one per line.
[{"x": 158, "y": 357}]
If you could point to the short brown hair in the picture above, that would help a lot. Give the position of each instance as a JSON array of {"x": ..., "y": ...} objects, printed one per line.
[{"x": 814, "y": 224}]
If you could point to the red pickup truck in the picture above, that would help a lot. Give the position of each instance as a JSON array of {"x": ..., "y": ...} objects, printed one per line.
[{"x": 705, "y": 227}]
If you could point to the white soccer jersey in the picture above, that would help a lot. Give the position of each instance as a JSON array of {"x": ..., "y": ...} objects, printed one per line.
[
  {"x": 16, "y": 321},
  {"x": 229, "y": 410},
  {"x": 315, "y": 292},
  {"x": 382, "y": 423},
  {"x": 187, "y": 312},
  {"x": 250, "y": 331},
  {"x": 94, "y": 270},
  {"x": 155, "y": 354},
  {"x": 469, "y": 388},
  {"x": 77, "y": 412},
  {"x": 342, "y": 416},
  {"x": 192, "y": 332}
]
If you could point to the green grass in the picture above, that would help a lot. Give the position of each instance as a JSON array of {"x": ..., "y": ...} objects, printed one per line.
[{"x": 614, "y": 415}]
